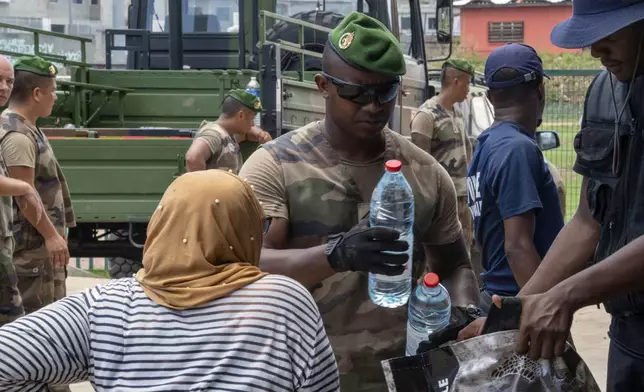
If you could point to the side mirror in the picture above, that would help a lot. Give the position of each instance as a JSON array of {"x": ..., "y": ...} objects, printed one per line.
[
  {"x": 547, "y": 140},
  {"x": 444, "y": 22}
]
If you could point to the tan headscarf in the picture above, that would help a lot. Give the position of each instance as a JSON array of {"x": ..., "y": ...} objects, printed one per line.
[{"x": 204, "y": 240}]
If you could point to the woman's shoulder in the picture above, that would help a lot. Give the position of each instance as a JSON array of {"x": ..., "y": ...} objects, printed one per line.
[{"x": 282, "y": 291}]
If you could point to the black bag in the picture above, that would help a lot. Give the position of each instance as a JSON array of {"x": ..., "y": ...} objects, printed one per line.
[{"x": 487, "y": 363}]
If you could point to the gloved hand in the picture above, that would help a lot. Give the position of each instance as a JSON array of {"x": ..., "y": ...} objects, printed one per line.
[
  {"x": 460, "y": 318},
  {"x": 360, "y": 249}
]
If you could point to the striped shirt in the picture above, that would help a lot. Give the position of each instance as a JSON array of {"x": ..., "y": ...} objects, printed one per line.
[{"x": 267, "y": 336}]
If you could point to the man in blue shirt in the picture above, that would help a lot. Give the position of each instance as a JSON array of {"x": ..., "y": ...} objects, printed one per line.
[{"x": 511, "y": 193}]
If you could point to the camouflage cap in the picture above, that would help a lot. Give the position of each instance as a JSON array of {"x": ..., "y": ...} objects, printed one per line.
[
  {"x": 461, "y": 65},
  {"x": 247, "y": 99},
  {"x": 37, "y": 65},
  {"x": 366, "y": 43}
]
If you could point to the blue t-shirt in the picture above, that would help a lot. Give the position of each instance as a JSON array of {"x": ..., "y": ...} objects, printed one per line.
[{"x": 508, "y": 176}]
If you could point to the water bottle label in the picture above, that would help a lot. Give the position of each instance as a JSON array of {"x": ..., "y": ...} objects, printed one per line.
[{"x": 253, "y": 91}]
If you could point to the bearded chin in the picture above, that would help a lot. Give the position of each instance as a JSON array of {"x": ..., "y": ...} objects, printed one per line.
[{"x": 539, "y": 121}]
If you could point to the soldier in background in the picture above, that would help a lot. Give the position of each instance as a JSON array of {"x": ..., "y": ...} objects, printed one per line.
[
  {"x": 10, "y": 300},
  {"x": 41, "y": 254},
  {"x": 316, "y": 185},
  {"x": 216, "y": 145},
  {"x": 438, "y": 127}
]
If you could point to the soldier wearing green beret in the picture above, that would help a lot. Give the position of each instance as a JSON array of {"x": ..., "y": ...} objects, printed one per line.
[
  {"x": 216, "y": 145},
  {"x": 41, "y": 254},
  {"x": 316, "y": 184},
  {"x": 438, "y": 127}
]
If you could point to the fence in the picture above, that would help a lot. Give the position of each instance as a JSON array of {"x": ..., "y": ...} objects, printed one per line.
[{"x": 565, "y": 94}]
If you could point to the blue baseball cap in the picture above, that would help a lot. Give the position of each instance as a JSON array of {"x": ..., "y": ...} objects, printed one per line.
[
  {"x": 520, "y": 57},
  {"x": 594, "y": 20}
]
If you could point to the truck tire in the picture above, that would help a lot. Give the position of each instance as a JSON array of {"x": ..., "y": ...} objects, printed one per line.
[
  {"x": 313, "y": 40},
  {"x": 121, "y": 267}
]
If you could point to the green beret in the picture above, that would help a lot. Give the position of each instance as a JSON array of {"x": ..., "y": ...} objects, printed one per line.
[
  {"x": 247, "y": 99},
  {"x": 37, "y": 65},
  {"x": 365, "y": 43},
  {"x": 461, "y": 65}
]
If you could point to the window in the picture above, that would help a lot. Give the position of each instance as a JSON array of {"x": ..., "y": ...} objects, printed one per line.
[
  {"x": 58, "y": 28},
  {"x": 53, "y": 1},
  {"x": 504, "y": 32},
  {"x": 431, "y": 24},
  {"x": 78, "y": 1},
  {"x": 94, "y": 2}
]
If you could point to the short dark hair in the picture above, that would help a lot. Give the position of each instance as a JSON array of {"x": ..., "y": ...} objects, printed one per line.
[
  {"x": 25, "y": 83},
  {"x": 230, "y": 107},
  {"x": 515, "y": 92}
]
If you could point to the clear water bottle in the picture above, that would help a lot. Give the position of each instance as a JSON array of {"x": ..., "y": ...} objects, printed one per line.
[
  {"x": 392, "y": 206},
  {"x": 253, "y": 88},
  {"x": 429, "y": 311}
]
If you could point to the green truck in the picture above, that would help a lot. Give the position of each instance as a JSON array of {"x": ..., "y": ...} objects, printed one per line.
[{"x": 121, "y": 131}]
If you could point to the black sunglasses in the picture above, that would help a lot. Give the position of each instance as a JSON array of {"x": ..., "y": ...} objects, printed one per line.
[
  {"x": 267, "y": 223},
  {"x": 363, "y": 94}
]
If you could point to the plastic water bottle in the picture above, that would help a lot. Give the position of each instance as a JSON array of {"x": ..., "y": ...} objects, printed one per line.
[
  {"x": 429, "y": 311},
  {"x": 392, "y": 206},
  {"x": 253, "y": 88}
]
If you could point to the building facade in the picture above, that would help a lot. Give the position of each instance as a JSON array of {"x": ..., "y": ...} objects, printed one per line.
[{"x": 485, "y": 25}]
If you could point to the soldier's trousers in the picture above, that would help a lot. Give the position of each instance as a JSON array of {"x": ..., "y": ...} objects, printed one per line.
[
  {"x": 10, "y": 301},
  {"x": 40, "y": 284},
  {"x": 467, "y": 222}
]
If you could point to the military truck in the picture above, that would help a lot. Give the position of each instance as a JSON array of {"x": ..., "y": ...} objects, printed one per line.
[{"x": 121, "y": 131}]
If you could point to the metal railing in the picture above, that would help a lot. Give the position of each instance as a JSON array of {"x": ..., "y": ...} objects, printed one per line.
[
  {"x": 37, "y": 34},
  {"x": 293, "y": 47}
]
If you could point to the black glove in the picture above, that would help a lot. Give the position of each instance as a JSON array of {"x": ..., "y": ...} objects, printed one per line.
[
  {"x": 460, "y": 318},
  {"x": 360, "y": 249}
]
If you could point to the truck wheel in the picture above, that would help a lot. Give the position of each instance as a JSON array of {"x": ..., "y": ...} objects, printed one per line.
[
  {"x": 313, "y": 40},
  {"x": 123, "y": 268}
]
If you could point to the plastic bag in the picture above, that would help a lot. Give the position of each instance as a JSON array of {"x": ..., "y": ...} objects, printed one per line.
[{"x": 488, "y": 363}]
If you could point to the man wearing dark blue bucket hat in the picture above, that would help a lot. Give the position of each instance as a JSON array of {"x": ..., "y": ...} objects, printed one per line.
[
  {"x": 511, "y": 193},
  {"x": 608, "y": 225}
]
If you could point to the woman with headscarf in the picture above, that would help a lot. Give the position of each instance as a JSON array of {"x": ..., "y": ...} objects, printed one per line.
[{"x": 200, "y": 315}]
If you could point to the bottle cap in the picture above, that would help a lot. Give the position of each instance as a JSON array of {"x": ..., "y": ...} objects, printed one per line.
[
  {"x": 393, "y": 165},
  {"x": 431, "y": 280}
]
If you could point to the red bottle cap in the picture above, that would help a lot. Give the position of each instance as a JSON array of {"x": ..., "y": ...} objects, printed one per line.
[
  {"x": 431, "y": 280},
  {"x": 393, "y": 165}
]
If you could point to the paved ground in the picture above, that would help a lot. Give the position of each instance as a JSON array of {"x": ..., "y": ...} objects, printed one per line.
[{"x": 589, "y": 333}]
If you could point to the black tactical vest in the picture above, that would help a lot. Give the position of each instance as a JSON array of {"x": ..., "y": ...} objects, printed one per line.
[{"x": 613, "y": 197}]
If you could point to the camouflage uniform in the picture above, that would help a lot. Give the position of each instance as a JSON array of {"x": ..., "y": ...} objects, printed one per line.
[
  {"x": 299, "y": 177},
  {"x": 223, "y": 146},
  {"x": 10, "y": 301},
  {"x": 39, "y": 282},
  {"x": 443, "y": 135}
]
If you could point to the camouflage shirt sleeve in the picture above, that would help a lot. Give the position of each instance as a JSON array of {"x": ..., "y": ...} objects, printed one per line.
[
  {"x": 264, "y": 173},
  {"x": 212, "y": 138},
  {"x": 422, "y": 131},
  {"x": 445, "y": 227},
  {"x": 18, "y": 150}
]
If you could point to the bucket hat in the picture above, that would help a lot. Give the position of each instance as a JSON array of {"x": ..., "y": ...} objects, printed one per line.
[{"x": 594, "y": 20}]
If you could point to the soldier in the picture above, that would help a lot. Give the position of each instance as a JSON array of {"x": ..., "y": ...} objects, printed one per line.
[
  {"x": 41, "y": 253},
  {"x": 438, "y": 127},
  {"x": 10, "y": 301},
  {"x": 216, "y": 145},
  {"x": 316, "y": 183}
]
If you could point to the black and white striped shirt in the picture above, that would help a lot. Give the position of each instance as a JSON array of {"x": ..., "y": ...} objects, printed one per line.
[{"x": 267, "y": 336}]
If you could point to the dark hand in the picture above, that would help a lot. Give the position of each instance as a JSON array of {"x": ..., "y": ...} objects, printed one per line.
[
  {"x": 545, "y": 325},
  {"x": 360, "y": 249}
]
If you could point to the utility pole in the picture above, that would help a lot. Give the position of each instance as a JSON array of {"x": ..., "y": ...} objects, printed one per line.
[{"x": 69, "y": 16}]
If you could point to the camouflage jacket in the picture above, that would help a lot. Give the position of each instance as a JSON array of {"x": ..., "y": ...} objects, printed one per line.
[
  {"x": 299, "y": 177},
  {"x": 6, "y": 207},
  {"x": 49, "y": 180},
  {"x": 443, "y": 135},
  {"x": 224, "y": 147}
]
